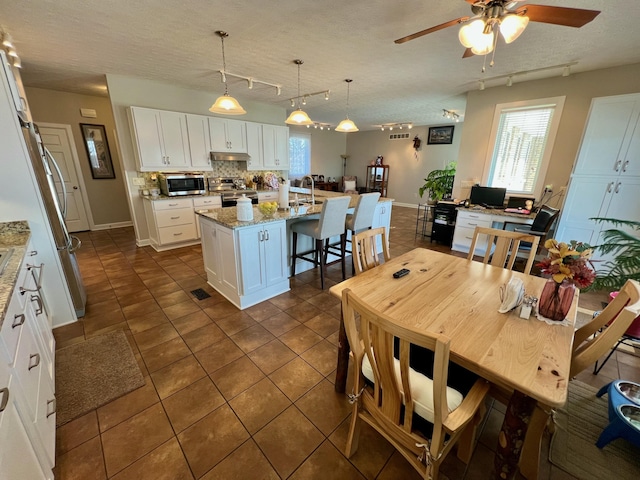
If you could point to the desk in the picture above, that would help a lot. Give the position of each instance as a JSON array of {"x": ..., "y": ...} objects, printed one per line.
[{"x": 460, "y": 299}]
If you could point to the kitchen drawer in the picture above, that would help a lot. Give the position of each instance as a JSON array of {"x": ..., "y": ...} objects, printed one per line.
[
  {"x": 473, "y": 220},
  {"x": 170, "y": 204},
  {"x": 172, "y": 218},
  {"x": 179, "y": 233},
  {"x": 463, "y": 237},
  {"x": 11, "y": 327},
  {"x": 212, "y": 201},
  {"x": 28, "y": 367},
  {"x": 267, "y": 196}
]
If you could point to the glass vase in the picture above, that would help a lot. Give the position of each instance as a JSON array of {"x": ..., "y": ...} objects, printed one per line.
[{"x": 555, "y": 300}]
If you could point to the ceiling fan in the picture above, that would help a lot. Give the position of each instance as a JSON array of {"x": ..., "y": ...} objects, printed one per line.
[{"x": 479, "y": 34}]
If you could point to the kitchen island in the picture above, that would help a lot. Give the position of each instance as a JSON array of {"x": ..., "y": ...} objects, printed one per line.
[{"x": 249, "y": 262}]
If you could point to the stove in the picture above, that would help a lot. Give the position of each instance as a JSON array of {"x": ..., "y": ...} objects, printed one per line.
[{"x": 231, "y": 188}]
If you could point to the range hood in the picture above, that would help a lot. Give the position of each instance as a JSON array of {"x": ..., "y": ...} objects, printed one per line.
[{"x": 229, "y": 157}]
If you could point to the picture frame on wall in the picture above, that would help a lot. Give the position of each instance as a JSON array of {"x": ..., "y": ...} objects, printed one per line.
[
  {"x": 97, "y": 147},
  {"x": 440, "y": 135}
]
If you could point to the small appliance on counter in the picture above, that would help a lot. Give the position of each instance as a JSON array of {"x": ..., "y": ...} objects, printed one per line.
[
  {"x": 231, "y": 189},
  {"x": 177, "y": 184}
]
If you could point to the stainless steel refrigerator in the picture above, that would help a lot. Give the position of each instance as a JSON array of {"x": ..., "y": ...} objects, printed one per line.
[{"x": 46, "y": 170}]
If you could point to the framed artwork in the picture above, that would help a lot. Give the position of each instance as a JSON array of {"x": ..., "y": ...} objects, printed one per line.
[
  {"x": 95, "y": 142},
  {"x": 440, "y": 135}
]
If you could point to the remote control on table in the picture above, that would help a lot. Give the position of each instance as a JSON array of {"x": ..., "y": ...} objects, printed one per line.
[{"x": 401, "y": 273}]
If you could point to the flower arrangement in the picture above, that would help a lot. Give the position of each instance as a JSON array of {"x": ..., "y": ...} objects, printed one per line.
[{"x": 568, "y": 263}]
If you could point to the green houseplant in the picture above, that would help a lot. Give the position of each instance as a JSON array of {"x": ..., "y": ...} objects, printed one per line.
[
  {"x": 439, "y": 182},
  {"x": 624, "y": 246}
]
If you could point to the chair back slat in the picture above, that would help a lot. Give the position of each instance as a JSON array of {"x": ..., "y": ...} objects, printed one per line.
[
  {"x": 365, "y": 252},
  {"x": 502, "y": 247},
  {"x": 617, "y": 316}
]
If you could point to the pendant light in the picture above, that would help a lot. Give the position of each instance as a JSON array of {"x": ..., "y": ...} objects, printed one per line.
[
  {"x": 347, "y": 125},
  {"x": 298, "y": 116},
  {"x": 226, "y": 104}
]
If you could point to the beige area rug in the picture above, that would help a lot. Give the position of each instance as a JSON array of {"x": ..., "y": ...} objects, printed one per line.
[
  {"x": 92, "y": 373},
  {"x": 578, "y": 425}
]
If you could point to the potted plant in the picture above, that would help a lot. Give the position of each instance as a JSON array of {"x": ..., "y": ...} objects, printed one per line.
[
  {"x": 439, "y": 183},
  {"x": 625, "y": 249}
]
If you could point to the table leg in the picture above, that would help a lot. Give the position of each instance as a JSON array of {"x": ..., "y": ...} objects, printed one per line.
[
  {"x": 530, "y": 458},
  {"x": 512, "y": 435},
  {"x": 343, "y": 358}
]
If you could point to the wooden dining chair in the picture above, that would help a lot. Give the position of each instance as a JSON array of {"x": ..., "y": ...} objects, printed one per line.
[
  {"x": 502, "y": 247},
  {"x": 589, "y": 345},
  {"x": 365, "y": 252},
  {"x": 395, "y": 399}
]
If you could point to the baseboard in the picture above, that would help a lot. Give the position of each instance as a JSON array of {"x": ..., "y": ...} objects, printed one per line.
[
  {"x": 143, "y": 243},
  {"x": 109, "y": 226}
]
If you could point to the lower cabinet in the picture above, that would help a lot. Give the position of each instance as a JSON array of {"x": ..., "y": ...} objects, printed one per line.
[
  {"x": 27, "y": 400},
  {"x": 247, "y": 264},
  {"x": 171, "y": 223},
  {"x": 205, "y": 203},
  {"x": 382, "y": 218},
  {"x": 468, "y": 220}
]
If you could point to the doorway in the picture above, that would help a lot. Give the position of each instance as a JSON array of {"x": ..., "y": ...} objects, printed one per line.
[{"x": 59, "y": 141}]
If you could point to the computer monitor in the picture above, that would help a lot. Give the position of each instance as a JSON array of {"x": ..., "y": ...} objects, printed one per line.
[{"x": 487, "y": 196}]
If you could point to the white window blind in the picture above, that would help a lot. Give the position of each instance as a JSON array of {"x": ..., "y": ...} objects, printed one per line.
[
  {"x": 519, "y": 149},
  {"x": 299, "y": 154}
]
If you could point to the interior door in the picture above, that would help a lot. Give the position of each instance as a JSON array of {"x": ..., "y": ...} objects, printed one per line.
[{"x": 59, "y": 141}]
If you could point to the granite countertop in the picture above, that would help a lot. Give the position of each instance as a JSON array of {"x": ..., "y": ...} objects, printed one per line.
[
  {"x": 497, "y": 211},
  {"x": 178, "y": 197},
  {"x": 13, "y": 235}
]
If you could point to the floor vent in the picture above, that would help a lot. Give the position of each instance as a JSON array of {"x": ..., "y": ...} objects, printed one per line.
[
  {"x": 200, "y": 294},
  {"x": 398, "y": 136}
]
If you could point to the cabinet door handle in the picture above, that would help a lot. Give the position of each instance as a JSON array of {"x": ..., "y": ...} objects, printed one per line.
[
  {"x": 4, "y": 392},
  {"x": 38, "y": 300},
  {"x": 177, "y": 234},
  {"x": 266, "y": 235},
  {"x": 261, "y": 236},
  {"x": 175, "y": 218},
  {"x": 51, "y": 403},
  {"x": 37, "y": 279},
  {"x": 173, "y": 204},
  {"x": 16, "y": 322},
  {"x": 616, "y": 166},
  {"x": 33, "y": 253},
  {"x": 36, "y": 358},
  {"x": 625, "y": 165},
  {"x": 609, "y": 187},
  {"x": 617, "y": 187},
  {"x": 168, "y": 159}
]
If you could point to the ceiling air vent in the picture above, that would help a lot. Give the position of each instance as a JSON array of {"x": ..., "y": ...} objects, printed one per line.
[{"x": 398, "y": 136}]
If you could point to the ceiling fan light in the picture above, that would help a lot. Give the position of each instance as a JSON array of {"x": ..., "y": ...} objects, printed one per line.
[
  {"x": 512, "y": 26},
  {"x": 470, "y": 32},
  {"x": 298, "y": 117},
  {"x": 483, "y": 44},
  {"x": 346, "y": 125},
  {"x": 227, "y": 105}
]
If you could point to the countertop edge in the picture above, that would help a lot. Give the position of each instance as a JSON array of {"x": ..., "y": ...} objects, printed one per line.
[{"x": 13, "y": 235}]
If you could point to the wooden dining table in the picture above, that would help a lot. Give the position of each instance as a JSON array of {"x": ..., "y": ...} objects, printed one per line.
[{"x": 526, "y": 360}]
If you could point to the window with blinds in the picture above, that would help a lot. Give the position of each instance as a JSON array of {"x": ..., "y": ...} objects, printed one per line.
[
  {"x": 519, "y": 148},
  {"x": 299, "y": 154}
]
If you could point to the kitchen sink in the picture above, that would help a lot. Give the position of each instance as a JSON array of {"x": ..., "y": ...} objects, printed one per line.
[{"x": 5, "y": 255}]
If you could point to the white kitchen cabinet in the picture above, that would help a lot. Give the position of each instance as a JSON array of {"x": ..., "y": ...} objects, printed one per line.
[
  {"x": 468, "y": 220},
  {"x": 27, "y": 419},
  {"x": 254, "y": 146},
  {"x": 199, "y": 141},
  {"x": 268, "y": 196},
  {"x": 382, "y": 218},
  {"x": 205, "y": 203},
  {"x": 247, "y": 264},
  {"x": 611, "y": 140},
  {"x": 263, "y": 256},
  {"x": 275, "y": 147},
  {"x": 160, "y": 139},
  {"x": 228, "y": 135},
  {"x": 606, "y": 176},
  {"x": 171, "y": 223}
]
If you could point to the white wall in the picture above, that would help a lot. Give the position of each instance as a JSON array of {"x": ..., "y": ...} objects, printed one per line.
[
  {"x": 407, "y": 167},
  {"x": 127, "y": 91}
]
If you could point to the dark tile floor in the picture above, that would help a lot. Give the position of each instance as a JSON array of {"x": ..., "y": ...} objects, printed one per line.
[{"x": 235, "y": 394}]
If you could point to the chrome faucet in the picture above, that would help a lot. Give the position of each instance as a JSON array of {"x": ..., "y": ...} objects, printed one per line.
[{"x": 313, "y": 198}]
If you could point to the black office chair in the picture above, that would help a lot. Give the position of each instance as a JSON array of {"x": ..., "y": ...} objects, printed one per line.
[{"x": 540, "y": 227}]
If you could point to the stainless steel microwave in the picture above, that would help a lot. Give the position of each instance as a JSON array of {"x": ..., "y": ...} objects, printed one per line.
[{"x": 182, "y": 184}]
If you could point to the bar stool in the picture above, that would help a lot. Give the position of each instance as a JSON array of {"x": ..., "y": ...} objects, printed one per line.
[
  {"x": 330, "y": 224},
  {"x": 362, "y": 217}
]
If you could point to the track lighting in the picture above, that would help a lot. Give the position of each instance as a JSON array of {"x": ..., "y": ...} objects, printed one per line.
[
  {"x": 326, "y": 95},
  {"x": 510, "y": 81},
  {"x": 391, "y": 126},
  {"x": 7, "y": 41},
  {"x": 566, "y": 71},
  {"x": 451, "y": 115},
  {"x": 481, "y": 85},
  {"x": 304, "y": 100}
]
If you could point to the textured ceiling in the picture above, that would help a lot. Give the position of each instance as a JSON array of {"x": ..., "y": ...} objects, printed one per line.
[{"x": 70, "y": 44}]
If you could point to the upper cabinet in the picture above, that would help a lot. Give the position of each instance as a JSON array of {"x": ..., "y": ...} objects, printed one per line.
[
  {"x": 160, "y": 139},
  {"x": 611, "y": 141},
  {"x": 228, "y": 135},
  {"x": 275, "y": 147},
  {"x": 199, "y": 141},
  {"x": 254, "y": 146}
]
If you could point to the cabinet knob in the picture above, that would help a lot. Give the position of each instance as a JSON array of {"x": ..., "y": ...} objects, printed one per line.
[
  {"x": 51, "y": 403},
  {"x": 4, "y": 393},
  {"x": 35, "y": 357},
  {"x": 18, "y": 320}
]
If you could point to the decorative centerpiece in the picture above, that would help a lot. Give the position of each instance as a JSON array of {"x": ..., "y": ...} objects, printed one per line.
[
  {"x": 267, "y": 209},
  {"x": 569, "y": 267}
]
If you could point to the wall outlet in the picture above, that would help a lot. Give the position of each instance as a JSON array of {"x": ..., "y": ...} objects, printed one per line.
[{"x": 138, "y": 181}]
